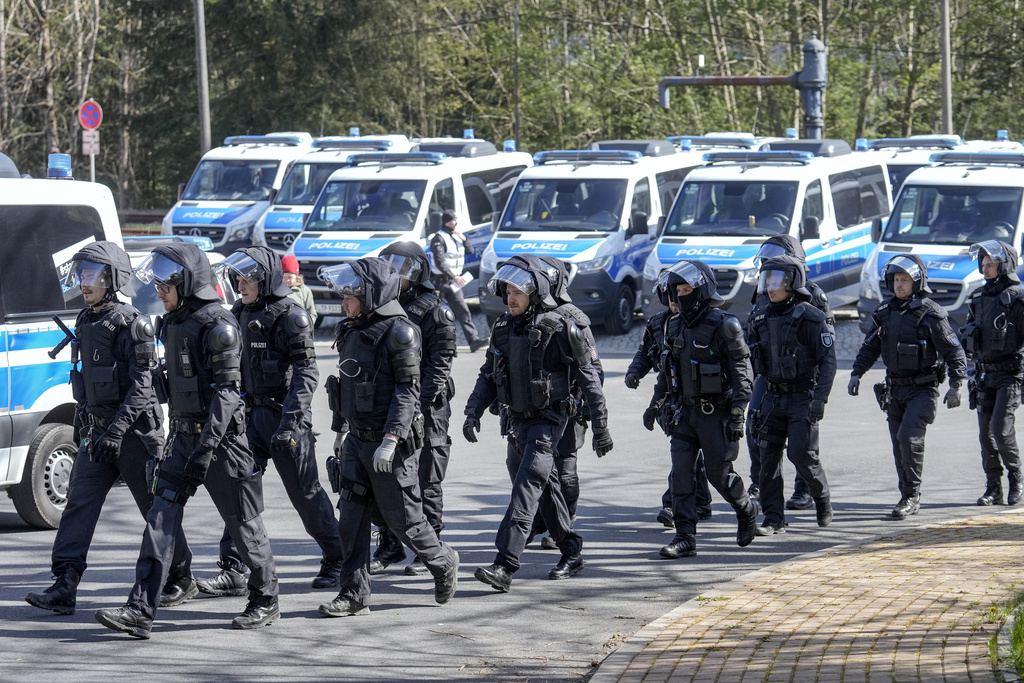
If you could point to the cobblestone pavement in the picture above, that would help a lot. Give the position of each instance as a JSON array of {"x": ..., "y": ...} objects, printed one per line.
[{"x": 911, "y": 606}]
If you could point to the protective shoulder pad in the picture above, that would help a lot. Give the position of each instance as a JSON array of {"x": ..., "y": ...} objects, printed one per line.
[
  {"x": 297, "y": 321},
  {"x": 443, "y": 315},
  {"x": 571, "y": 312},
  {"x": 732, "y": 332},
  {"x": 819, "y": 299},
  {"x": 1010, "y": 294},
  {"x": 223, "y": 336},
  {"x": 811, "y": 312},
  {"x": 932, "y": 309},
  {"x": 582, "y": 351},
  {"x": 143, "y": 330},
  {"x": 404, "y": 348}
]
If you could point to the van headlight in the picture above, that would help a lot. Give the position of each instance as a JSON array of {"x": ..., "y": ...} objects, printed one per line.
[
  {"x": 241, "y": 232},
  {"x": 750, "y": 276},
  {"x": 595, "y": 265},
  {"x": 489, "y": 261},
  {"x": 651, "y": 270},
  {"x": 869, "y": 287}
]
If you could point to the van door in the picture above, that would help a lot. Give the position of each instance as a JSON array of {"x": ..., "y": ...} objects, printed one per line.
[
  {"x": 858, "y": 197},
  {"x": 638, "y": 246},
  {"x": 819, "y": 259}
]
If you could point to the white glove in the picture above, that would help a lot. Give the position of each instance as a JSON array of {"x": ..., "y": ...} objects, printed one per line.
[{"x": 384, "y": 454}]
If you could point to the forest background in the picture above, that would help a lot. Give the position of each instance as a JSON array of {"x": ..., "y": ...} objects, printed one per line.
[{"x": 587, "y": 70}]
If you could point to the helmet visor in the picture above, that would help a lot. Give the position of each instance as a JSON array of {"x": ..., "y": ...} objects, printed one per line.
[
  {"x": 240, "y": 264},
  {"x": 343, "y": 280},
  {"x": 157, "y": 268},
  {"x": 514, "y": 276},
  {"x": 408, "y": 268},
  {"x": 991, "y": 248},
  {"x": 685, "y": 271},
  {"x": 88, "y": 274},
  {"x": 902, "y": 264},
  {"x": 769, "y": 250},
  {"x": 775, "y": 280}
]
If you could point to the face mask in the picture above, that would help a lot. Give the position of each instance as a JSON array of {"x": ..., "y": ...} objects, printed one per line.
[{"x": 688, "y": 302}]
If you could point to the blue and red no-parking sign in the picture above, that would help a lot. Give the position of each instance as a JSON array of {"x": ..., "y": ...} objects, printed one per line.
[{"x": 90, "y": 115}]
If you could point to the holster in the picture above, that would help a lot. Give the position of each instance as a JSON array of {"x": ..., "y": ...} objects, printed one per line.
[
  {"x": 882, "y": 396},
  {"x": 415, "y": 441},
  {"x": 334, "y": 393},
  {"x": 972, "y": 394},
  {"x": 334, "y": 473}
]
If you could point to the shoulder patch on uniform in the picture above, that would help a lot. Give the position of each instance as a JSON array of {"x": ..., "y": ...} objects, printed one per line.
[
  {"x": 827, "y": 339},
  {"x": 952, "y": 339}
]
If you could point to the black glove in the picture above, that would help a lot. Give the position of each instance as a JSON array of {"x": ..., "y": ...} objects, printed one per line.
[
  {"x": 952, "y": 397},
  {"x": 109, "y": 447},
  {"x": 470, "y": 428},
  {"x": 198, "y": 465},
  {"x": 816, "y": 411},
  {"x": 631, "y": 380},
  {"x": 602, "y": 441},
  {"x": 854, "y": 386},
  {"x": 734, "y": 430},
  {"x": 282, "y": 442},
  {"x": 650, "y": 417}
]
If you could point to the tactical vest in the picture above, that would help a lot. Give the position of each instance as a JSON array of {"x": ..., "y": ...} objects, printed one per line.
[
  {"x": 780, "y": 355},
  {"x": 692, "y": 359},
  {"x": 266, "y": 369},
  {"x": 454, "y": 255},
  {"x": 190, "y": 382},
  {"x": 991, "y": 335},
  {"x": 523, "y": 384},
  {"x": 366, "y": 384},
  {"x": 903, "y": 350},
  {"x": 104, "y": 379}
]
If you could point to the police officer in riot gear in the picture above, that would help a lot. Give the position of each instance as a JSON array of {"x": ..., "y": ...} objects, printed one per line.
[
  {"x": 646, "y": 358},
  {"x": 704, "y": 385},
  {"x": 781, "y": 245},
  {"x": 377, "y": 392},
  {"x": 993, "y": 338},
  {"x": 279, "y": 376},
  {"x": 535, "y": 358},
  {"x": 117, "y": 421},
  {"x": 437, "y": 329},
  {"x": 793, "y": 348},
  {"x": 911, "y": 333},
  {"x": 207, "y": 443}
]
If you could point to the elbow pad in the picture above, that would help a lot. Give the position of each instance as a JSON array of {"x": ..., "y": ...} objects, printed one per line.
[
  {"x": 735, "y": 343},
  {"x": 224, "y": 344},
  {"x": 583, "y": 353},
  {"x": 300, "y": 336},
  {"x": 144, "y": 336}
]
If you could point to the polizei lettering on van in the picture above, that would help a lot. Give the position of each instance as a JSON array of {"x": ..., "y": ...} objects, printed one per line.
[
  {"x": 698, "y": 251},
  {"x": 538, "y": 246},
  {"x": 345, "y": 246}
]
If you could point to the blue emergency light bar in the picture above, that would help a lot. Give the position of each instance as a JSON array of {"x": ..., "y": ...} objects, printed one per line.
[
  {"x": 713, "y": 141},
  {"x": 149, "y": 242},
  {"x": 923, "y": 142},
  {"x": 404, "y": 158},
  {"x": 587, "y": 156},
  {"x": 291, "y": 140},
  {"x": 58, "y": 166},
  {"x": 767, "y": 157},
  {"x": 348, "y": 143},
  {"x": 979, "y": 158}
]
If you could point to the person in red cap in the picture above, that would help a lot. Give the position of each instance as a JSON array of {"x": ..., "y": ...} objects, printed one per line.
[{"x": 300, "y": 292}]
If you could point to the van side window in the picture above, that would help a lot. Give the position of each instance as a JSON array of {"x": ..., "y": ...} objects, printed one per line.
[
  {"x": 487, "y": 190},
  {"x": 812, "y": 201},
  {"x": 669, "y": 183},
  {"x": 443, "y": 197},
  {"x": 641, "y": 197},
  {"x": 859, "y": 195},
  {"x": 40, "y": 232}
]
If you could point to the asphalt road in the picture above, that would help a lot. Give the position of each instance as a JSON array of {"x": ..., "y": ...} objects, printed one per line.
[{"x": 541, "y": 631}]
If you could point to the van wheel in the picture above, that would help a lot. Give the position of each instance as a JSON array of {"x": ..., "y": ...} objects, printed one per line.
[
  {"x": 620, "y": 318},
  {"x": 43, "y": 492}
]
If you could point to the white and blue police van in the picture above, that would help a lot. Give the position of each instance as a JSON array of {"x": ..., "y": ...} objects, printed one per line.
[
  {"x": 961, "y": 199},
  {"x": 43, "y": 222},
  {"x": 383, "y": 197},
  {"x": 232, "y": 187},
  {"x": 592, "y": 209},
  {"x": 814, "y": 190},
  {"x": 282, "y": 221}
]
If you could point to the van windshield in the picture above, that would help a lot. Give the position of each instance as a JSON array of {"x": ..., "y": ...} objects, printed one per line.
[
  {"x": 566, "y": 204},
  {"x": 733, "y": 207},
  {"x": 227, "y": 181},
  {"x": 368, "y": 205},
  {"x": 304, "y": 182},
  {"x": 954, "y": 215}
]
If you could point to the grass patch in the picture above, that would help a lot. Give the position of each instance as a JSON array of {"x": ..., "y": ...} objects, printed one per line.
[{"x": 998, "y": 614}]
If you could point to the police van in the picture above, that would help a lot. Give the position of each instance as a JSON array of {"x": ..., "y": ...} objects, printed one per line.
[
  {"x": 44, "y": 222},
  {"x": 232, "y": 187},
  {"x": 384, "y": 197},
  {"x": 282, "y": 221},
  {"x": 591, "y": 209},
  {"x": 815, "y": 190},
  {"x": 942, "y": 209}
]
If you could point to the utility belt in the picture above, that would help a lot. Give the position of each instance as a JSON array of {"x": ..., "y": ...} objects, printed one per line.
[
  {"x": 1014, "y": 366},
  {"x": 181, "y": 426},
  {"x": 262, "y": 401},
  {"x": 790, "y": 387},
  {"x": 555, "y": 412},
  {"x": 929, "y": 380},
  {"x": 707, "y": 404},
  {"x": 96, "y": 421},
  {"x": 367, "y": 434}
]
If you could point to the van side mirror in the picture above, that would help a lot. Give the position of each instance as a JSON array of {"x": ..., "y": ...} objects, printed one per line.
[
  {"x": 181, "y": 190},
  {"x": 273, "y": 193},
  {"x": 637, "y": 224},
  {"x": 809, "y": 228},
  {"x": 433, "y": 222},
  {"x": 661, "y": 225},
  {"x": 495, "y": 219},
  {"x": 876, "y": 229},
  {"x": 305, "y": 219}
]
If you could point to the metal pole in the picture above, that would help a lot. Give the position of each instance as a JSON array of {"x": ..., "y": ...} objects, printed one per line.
[
  {"x": 515, "y": 71},
  {"x": 92, "y": 168},
  {"x": 203, "y": 79},
  {"x": 947, "y": 71}
]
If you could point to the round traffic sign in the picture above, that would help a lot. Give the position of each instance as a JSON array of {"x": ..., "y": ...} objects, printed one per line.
[{"x": 90, "y": 115}]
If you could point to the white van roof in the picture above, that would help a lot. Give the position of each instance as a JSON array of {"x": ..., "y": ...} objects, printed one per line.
[
  {"x": 277, "y": 146},
  {"x": 1001, "y": 169}
]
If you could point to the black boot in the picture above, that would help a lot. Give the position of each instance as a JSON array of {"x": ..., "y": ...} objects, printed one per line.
[
  {"x": 496, "y": 576},
  {"x": 330, "y": 574},
  {"x": 127, "y": 619},
  {"x": 993, "y": 493},
  {"x": 683, "y": 545},
  {"x": 60, "y": 597},
  {"x": 389, "y": 551},
  {"x": 230, "y": 582},
  {"x": 823, "y": 511},
  {"x": 178, "y": 591},
  {"x": 445, "y": 585},
  {"x": 747, "y": 527},
  {"x": 344, "y": 607},
  {"x": 908, "y": 505},
  {"x": 665, "y": 517},
  {"x": 261, "y": 611},
  {"x": 568, "y": 565},
  {"x": 1016, "y": 487},
  {"x": 800, "y": 501}
]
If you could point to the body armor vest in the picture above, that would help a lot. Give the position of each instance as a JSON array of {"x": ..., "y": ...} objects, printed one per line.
[
  {"x": 904, "y": 352},
  {"x": 523, "y": 384},
  {"x": 781, "y": 356},
  {"x": 266, "y": 369},
  {"x": 104, "y": 378},
  {"x": 992, "y": 337},
  {"x": 190, "y": 382},
  {"x": 366, "y": 385},
  {"x": 691, "y": 359}
]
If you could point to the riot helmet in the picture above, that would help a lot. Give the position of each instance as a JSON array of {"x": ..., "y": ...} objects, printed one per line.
[
  {"x": 558, "y": 277},
  {"x": 697, "y": 275},
  {"x": 412, "y": 265},
  {"x": 183, "y": 266},
  {"x": 101, "y": 264},
  {"x": 780, "y": 245},
  {"x": 1004, "y": 256},
  {"x": 256, "y": 264},
  {"x": 910, "y": 264},
  {"x": 527, "y": 273},
  {"x": 786, "y": 272},
  {"x": 372, "y": 280}
]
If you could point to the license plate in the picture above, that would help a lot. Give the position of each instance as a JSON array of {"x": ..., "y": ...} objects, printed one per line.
[{"x": 328, "y": 309}]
